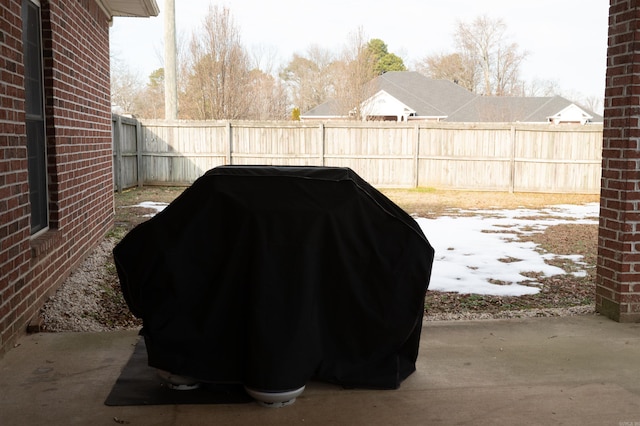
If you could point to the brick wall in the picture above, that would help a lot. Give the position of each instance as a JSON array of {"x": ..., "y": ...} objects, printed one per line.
[
  {"x": 618, "y": 278},
  {"x": 78, "y": 109},
  {"x": 14, "y": 199}
]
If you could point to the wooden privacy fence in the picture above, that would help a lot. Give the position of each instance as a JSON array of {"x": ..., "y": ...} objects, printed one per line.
[{"x": 511, "y": 157}]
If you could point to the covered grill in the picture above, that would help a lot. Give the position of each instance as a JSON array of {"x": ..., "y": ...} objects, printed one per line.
[{"x": 275, "y": 276}]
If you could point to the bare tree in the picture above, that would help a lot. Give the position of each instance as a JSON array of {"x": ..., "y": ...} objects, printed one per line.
[
  {"x": 593, "y": 103},
  {"x": 308, "y": 78},
  {"x": 217, "y": 71},
  {"x": 352, "y": 76},
  {"x": 269, "y": 94},
  {"x": 507, "y": 70},
  {"x": 538, "y": 87},
  {"x": 454, "y": 67},
  {"x": 264, "y": 58},
  {"x": 497, "y": 61},
  {"x": 269, "y": 99},
  {"x": 126, "y": 86},
  {"x": 150, "y": 102}
]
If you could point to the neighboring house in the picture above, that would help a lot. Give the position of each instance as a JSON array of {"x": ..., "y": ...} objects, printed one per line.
[
  {"x": 404, "y": 95},
  {"x": 56, "y": 178},
  {"x": 409, "y": 96},
  {"x": 555, "y": 110}
]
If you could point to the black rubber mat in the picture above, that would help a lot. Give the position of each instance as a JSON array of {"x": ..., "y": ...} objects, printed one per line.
[{"x": 139, "y": 384}]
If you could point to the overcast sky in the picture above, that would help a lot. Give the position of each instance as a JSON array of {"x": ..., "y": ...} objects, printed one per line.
[{"x": 566, "y": 39}]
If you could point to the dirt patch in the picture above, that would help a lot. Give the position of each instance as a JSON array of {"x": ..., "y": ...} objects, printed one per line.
[
  {"x": 129, "y": 215},
  {"x": 91, "y": 299},
  {"x": 429, "y": 203}
]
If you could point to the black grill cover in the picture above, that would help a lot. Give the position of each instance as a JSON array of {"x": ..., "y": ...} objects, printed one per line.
[{"x": 274, "y": 276}]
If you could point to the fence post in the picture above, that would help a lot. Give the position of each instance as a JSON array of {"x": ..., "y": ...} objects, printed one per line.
[
  {"x": 512, "y": 166},
  {"x": 229, "y": 143},
  {"x": 416, "y": 156},
  {"x": 321, "y": 129},
  {"x": 139, "y": 150},
  {"x": 117, "y": 147}
]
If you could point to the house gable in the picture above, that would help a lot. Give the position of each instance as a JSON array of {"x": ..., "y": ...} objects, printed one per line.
[
  {"x": 571, "y": 114},
  {"x": 384, "y": 107}
]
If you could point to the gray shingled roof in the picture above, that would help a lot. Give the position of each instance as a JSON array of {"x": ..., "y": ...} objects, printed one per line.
[
  {"x": 511, "y": 109},
  {"x": 426, "y": 96},
  {"x": 327, "y": 109}
]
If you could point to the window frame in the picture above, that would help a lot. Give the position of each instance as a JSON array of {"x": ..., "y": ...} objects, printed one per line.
[{"x": 35, "y": 116}]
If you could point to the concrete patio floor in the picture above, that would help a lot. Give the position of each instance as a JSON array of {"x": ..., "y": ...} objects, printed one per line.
[{"x": 582, "y": 370}]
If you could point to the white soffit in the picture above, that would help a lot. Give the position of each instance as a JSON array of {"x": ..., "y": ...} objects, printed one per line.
[{"x": 134, "y": 8}]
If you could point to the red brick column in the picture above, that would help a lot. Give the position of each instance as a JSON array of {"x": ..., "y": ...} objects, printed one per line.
[{"x": 618, "y": 278}]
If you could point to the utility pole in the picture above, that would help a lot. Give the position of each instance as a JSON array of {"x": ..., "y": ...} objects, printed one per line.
[{"x": 170, "y": 67}]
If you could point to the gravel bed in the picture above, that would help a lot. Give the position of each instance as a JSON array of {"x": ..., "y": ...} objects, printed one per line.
[
  {"x": 89, "y": 300},
  {"x": 524, "y": 313}
]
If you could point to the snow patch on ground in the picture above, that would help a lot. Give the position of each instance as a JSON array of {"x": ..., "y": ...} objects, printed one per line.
[{"x": 479, "y": 248}]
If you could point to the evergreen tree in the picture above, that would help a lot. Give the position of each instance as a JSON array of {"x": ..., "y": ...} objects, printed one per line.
[{"x": 383, "y": 61}]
